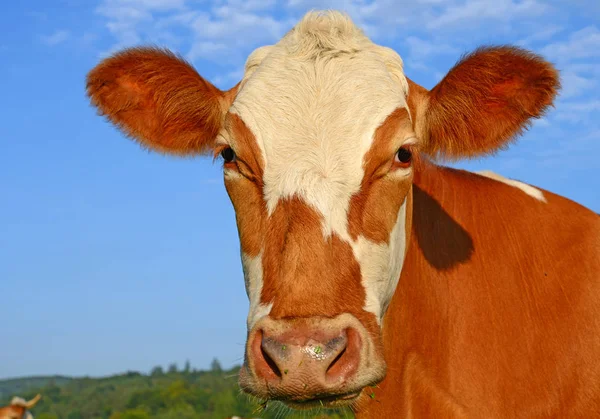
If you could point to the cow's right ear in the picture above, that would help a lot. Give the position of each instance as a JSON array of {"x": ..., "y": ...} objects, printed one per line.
[
  {"x": 484, "y": 102},
  {"x": 158, "y": 99}
]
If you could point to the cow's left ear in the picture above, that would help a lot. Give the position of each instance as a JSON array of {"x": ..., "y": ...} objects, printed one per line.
[
  {"x": 487, "y": 99},
  {"x": 158, "y": 99}
]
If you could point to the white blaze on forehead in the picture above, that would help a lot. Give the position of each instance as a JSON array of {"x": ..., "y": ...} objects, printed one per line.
[
  {"x": 528, "y": 189},
  {"x": 253, "y": 279},
  {"x": 313, "y": 101}
]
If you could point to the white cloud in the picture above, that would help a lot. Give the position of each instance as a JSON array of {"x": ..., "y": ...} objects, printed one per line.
[
  {"x": 207, "y": 50},
  {"x": 574, "y": 152},
  {"x": 588, "y": 106},
  {"x": 223, "y": 32},
  {"x": 248, "y": 5},
  {"x": 574, "y": 84},
  {"x": 421, "y": 48},
  {"x": 162, "y": 5},
  {"x": 577, "y": 112},
  {"x": 131, "y": 21},
  {"x": 541, "y": 122},
  {"x": 421, "y": 51},
  {"x": 229, "y": 79},
  {"x": 577, "y": 56},
  {"x": 586, "y": 68},
  {"x": 227, "y": 35},
  {"x": 481, "y": 10},
  {"x": 584, "y": 43},
  {"x": 124, "y": 13},
  {"x": 543, "y": 34},
  {"x": 229, "y": 24},
  {"x": 56, "y": 38}
]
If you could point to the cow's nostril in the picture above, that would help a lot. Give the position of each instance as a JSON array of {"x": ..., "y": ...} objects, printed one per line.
[
  {"x": 335, "y": 362},
  {"x": 347, "y": 360},
  {"x": 264, "y": 359},
  {"x": 270, "y": 362}
]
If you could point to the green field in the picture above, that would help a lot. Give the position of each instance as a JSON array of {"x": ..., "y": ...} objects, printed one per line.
[{"x": 170, "y": 394}]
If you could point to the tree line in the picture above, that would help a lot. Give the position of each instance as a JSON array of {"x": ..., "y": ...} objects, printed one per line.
[{"x": 170, "y": 393}]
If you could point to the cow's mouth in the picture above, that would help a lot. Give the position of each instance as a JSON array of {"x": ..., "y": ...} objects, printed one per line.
[{"x": 334, "y": 401}]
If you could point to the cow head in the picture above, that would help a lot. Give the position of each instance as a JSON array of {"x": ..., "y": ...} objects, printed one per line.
[
  {"x": 320, "y": 141},
  {"x": 19, "y": 408}
]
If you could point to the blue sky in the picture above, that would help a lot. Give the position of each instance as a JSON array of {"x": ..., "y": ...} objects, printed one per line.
[{"x": 114, "y": 259}]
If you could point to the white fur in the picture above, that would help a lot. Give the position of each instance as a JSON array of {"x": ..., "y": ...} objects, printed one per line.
[
  {"x": 381, "y": 264},
  {"x": 313, "y": 101},
  {"x": 253, "y": 279},
  {"x": 528, "y": 189},
  {"x": 18, "y": 401}
]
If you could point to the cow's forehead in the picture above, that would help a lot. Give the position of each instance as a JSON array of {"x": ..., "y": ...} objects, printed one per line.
[{"x": 313, "y": 102}]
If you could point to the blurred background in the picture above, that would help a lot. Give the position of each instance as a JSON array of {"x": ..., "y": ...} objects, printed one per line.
[{"x": 120, "y": 271}]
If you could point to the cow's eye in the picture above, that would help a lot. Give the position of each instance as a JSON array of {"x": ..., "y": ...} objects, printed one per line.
[
  {"x": 404, "y": 156},
  {"x": 228, "y": 155}
]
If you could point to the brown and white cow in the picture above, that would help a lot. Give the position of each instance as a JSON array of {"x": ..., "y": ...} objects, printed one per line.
[
  {"x": 469, "y": 295},
  {"x": 19, "y": 408}
]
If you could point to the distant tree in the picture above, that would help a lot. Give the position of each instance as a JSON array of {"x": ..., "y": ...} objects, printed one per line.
[
  {"x": 215, "y": 366},
  {"x": 52, "y": 391},
  {"x": 187, "y": 367},
  {"x": 157, "y": 371},
  {"x": 131, "y": 414},
  {"x": 181, "y": 412},
  {"x": 225, "y": 404},
  {"x": 177, "y": 393},
  {"x": 153, "y": 399},
  {"x": 173, "y": 368},
  {"x": 75, "y": 414}
]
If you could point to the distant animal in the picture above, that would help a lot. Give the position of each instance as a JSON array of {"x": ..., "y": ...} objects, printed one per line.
[
  {"x": 19, "y": 408},
  {"x": 366, "y": 262}
]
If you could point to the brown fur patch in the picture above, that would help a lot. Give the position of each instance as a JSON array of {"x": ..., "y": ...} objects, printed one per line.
[
  {"x": 487, "y": 99},
  {"x": 158, "y": 99},
  {"x": 417, "y": 103},
  {"x": 306, "y": 274},
  {"x": 246, "y": 192},
  {"x": 12, "y": 412},
  {"x": 250, "y": 214},
  {"x": 374, "y": 209}
]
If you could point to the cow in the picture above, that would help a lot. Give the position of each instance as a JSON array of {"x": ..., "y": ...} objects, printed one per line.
[
  {"x": 19, "y": 408},
  {"x": 377, "y": 277}
]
